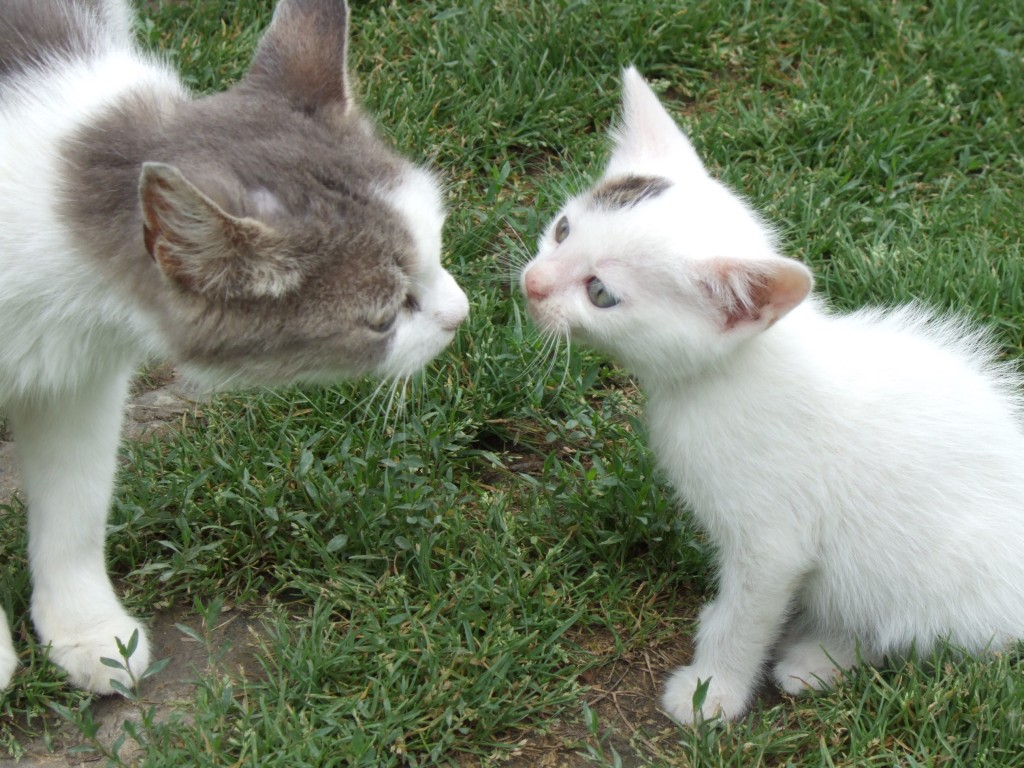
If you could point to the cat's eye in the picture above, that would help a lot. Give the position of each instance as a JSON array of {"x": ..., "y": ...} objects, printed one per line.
[
  {"x": 561, "y": 229},
  {"x": 600, "y": 296},
  {"x": 384, "y": 325}
]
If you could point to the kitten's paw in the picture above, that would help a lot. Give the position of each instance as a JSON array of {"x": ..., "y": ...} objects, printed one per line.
[
  {"x": 724, "y": 699},
  {"x": 8, "y": 658},
  {"x": 78, "y": 650},
  {"x": 807, "y": 664}
]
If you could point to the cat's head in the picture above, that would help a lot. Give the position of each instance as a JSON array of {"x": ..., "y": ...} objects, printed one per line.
[
  {"x": 292, "y": 243},
  {"x": 659, "y": 264}
]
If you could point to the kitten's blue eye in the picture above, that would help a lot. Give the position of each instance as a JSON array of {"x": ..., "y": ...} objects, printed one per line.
[
  {"x": 561, "y": 229},
  {"x": 600, "y": 296}
]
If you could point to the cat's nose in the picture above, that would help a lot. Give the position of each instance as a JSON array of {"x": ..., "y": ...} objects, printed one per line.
[
  {"x": 535, "y": 285},
  {"x": 456, "y": 312}
]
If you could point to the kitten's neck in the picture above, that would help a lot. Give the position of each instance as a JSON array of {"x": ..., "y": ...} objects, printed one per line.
[{"x": 780, "y": 348}]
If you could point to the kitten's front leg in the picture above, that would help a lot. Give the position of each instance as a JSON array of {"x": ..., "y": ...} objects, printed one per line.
[
  {"x": 8, "y": 658},
  {"x": 734, "y": 635},
  {"x": 68, "y": 449}
]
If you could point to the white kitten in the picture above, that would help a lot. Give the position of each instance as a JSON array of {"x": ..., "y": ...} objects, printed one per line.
[{"x": 862, "y": 475}]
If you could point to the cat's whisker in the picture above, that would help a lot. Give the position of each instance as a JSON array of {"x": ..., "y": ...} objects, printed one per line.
[
  {"x": 372, "y": 405},
  {"x": 399, "y": 404},
  {"x": 395, "y": 405},
  {"x": 387, "y": 408}
]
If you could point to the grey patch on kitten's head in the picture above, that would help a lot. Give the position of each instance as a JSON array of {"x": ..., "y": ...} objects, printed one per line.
[
  {"x": 627, "y": 191},
  {"x": 279, "y": 246}
]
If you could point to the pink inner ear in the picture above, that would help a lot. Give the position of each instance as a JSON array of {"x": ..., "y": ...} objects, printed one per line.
[
  {"x": 155, "y": 208},
  {"x": 757, "y": 293}
]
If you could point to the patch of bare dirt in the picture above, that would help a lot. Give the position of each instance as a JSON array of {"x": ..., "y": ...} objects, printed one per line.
[
  {"x": 623, "y": 694},
  {"x": 229, "y": 647}
]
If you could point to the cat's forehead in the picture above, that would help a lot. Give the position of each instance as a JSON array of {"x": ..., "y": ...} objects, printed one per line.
[{"x": 416, "y": 198}]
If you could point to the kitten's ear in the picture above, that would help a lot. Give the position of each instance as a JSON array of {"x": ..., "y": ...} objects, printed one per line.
[
  {"x": 203, "y": 249},
  {"x": 753, "y": 294},
  {"x": 302, "y": 55},
  {"x": 646, "y": 133}
]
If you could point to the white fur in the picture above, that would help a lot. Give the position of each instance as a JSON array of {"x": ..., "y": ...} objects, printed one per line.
[
  {"x": 66, "y": 352},
  {"x": 443, "y": 305},
  {"x": 862, "y": 476},
  {"x": 71, "y": 337},
  {"x": 8, "y": 657}
]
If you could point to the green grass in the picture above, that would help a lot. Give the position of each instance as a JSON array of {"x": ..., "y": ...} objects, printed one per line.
[{"x": 445, "y": 586}]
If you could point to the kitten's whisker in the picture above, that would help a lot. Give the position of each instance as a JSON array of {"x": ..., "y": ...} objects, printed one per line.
[
  {"x": 567, "y": 357},
  {"x": 509, "y": 265},
  {"x": 545, "y": 359},
  {"x": 514, "y": 256},
  {"x": 554, "y": 353},
  {"x": 542, "y": 363}
]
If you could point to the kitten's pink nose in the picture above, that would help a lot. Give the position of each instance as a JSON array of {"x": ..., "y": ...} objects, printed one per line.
[{"x": 536, "y": 284}]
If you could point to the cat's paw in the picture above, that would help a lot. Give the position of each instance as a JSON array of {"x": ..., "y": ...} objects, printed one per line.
[
  {"x": 722, "y": 699},
  {"x": 807, "y": 664},
  {"x": 78, "y": 650}
]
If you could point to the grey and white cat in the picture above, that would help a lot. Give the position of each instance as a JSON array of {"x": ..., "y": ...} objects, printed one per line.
[
  {"x": 263, "y": 235},
  {"x": 861, "y": 475}
]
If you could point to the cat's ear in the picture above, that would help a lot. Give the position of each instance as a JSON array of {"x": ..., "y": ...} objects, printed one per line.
[
  {"x": 752, "y": 294},
  {"x": 302, "y": 55},
  {"x": 647, "y": 135},
  {"x": 203, "y": 249}
]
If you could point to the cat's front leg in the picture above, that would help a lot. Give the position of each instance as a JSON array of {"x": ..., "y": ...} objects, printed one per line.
[
  {"x": 8, "y": 658},
  {"x": 68, "y": 449},
  {"x": 734, "y": 636}
]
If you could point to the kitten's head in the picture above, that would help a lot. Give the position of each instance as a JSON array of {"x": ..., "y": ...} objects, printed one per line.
[
  {"x": 659, "y": 264},
  {"x": 293, "y": 244}
]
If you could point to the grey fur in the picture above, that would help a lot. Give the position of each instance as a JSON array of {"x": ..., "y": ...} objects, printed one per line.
[
  {"x": 628, "y": 191},
  {"x": 263, "y": 235},
  {"x": 289, "y": 132},
  {"x": 33, "y": 32}
]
